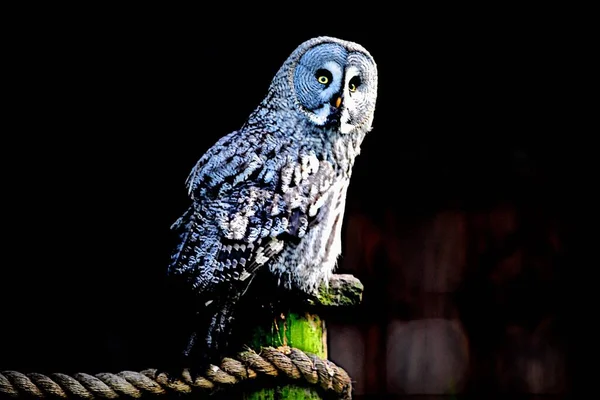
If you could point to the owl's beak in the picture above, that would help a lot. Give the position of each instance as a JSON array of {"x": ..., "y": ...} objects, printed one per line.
[{"x": 335, "y": 109}]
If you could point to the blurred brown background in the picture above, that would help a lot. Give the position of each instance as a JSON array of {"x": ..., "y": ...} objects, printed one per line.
[{"x": 464, "y": 294}]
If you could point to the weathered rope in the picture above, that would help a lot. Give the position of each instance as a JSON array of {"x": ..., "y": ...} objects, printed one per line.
[{"x": 286, "y": 362}]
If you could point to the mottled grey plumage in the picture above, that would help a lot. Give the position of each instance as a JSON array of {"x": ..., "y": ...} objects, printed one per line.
[{"x": 272, "y": 194}]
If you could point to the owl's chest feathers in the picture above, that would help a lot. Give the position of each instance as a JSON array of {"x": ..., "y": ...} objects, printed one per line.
[
  {"x": 314, "y": 180},
  {"x": 317, "y": 184},
  {"x": 313, "y": 258}
]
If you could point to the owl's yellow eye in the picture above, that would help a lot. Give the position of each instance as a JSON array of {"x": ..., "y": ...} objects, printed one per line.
[
  {"x": 353, "y": 84},
  {"x": 323, "y": 76}
]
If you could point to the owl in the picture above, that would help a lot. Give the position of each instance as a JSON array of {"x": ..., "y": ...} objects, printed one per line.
[{"x": 270, "y": 196}]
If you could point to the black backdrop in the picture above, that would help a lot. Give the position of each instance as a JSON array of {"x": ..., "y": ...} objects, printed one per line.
[{"x": 110, "y": 114}]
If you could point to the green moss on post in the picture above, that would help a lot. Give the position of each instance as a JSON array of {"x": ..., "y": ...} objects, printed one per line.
[{"x": 305, "y": 331}]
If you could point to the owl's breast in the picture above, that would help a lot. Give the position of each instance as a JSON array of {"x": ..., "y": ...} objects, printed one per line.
[{"x": 313, "y": 258}]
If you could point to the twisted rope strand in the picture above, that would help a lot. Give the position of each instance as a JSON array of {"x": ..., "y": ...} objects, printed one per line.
[{"x": 273, "y": 362}]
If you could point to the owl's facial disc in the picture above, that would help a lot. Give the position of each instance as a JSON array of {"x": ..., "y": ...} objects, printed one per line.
[
  {"x": 319, "y": 81},
  {"x": 325, "y": 99}
]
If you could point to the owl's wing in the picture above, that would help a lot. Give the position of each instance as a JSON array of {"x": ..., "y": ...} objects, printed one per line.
[
  {"x": 198, "y": 240},
  {"x": 228, "y": 164},
  {"x": 252, "y": 226},
  {"x": 247, "y": 208}
]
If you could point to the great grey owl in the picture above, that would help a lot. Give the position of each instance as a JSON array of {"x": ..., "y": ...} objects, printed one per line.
[{"x": 271, "y": 195}]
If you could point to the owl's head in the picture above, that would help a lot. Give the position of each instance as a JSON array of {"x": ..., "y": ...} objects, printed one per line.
[{"x": 332, "y": 82}]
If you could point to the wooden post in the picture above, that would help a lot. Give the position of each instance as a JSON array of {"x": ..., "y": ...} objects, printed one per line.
[{"x": 305, "y": 330}]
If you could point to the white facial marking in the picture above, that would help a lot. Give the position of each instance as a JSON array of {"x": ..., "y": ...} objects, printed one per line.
[
  {"x": 319, "y": 116},
  {"x": 346, "y": 127}
]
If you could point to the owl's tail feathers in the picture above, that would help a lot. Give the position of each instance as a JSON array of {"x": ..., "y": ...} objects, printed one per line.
[
  {"x": 202, "y": 337},
  {"x": 211, "y": 340}
]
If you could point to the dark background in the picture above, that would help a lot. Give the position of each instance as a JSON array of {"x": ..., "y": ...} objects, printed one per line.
[{"x": 110, "y": 114}]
